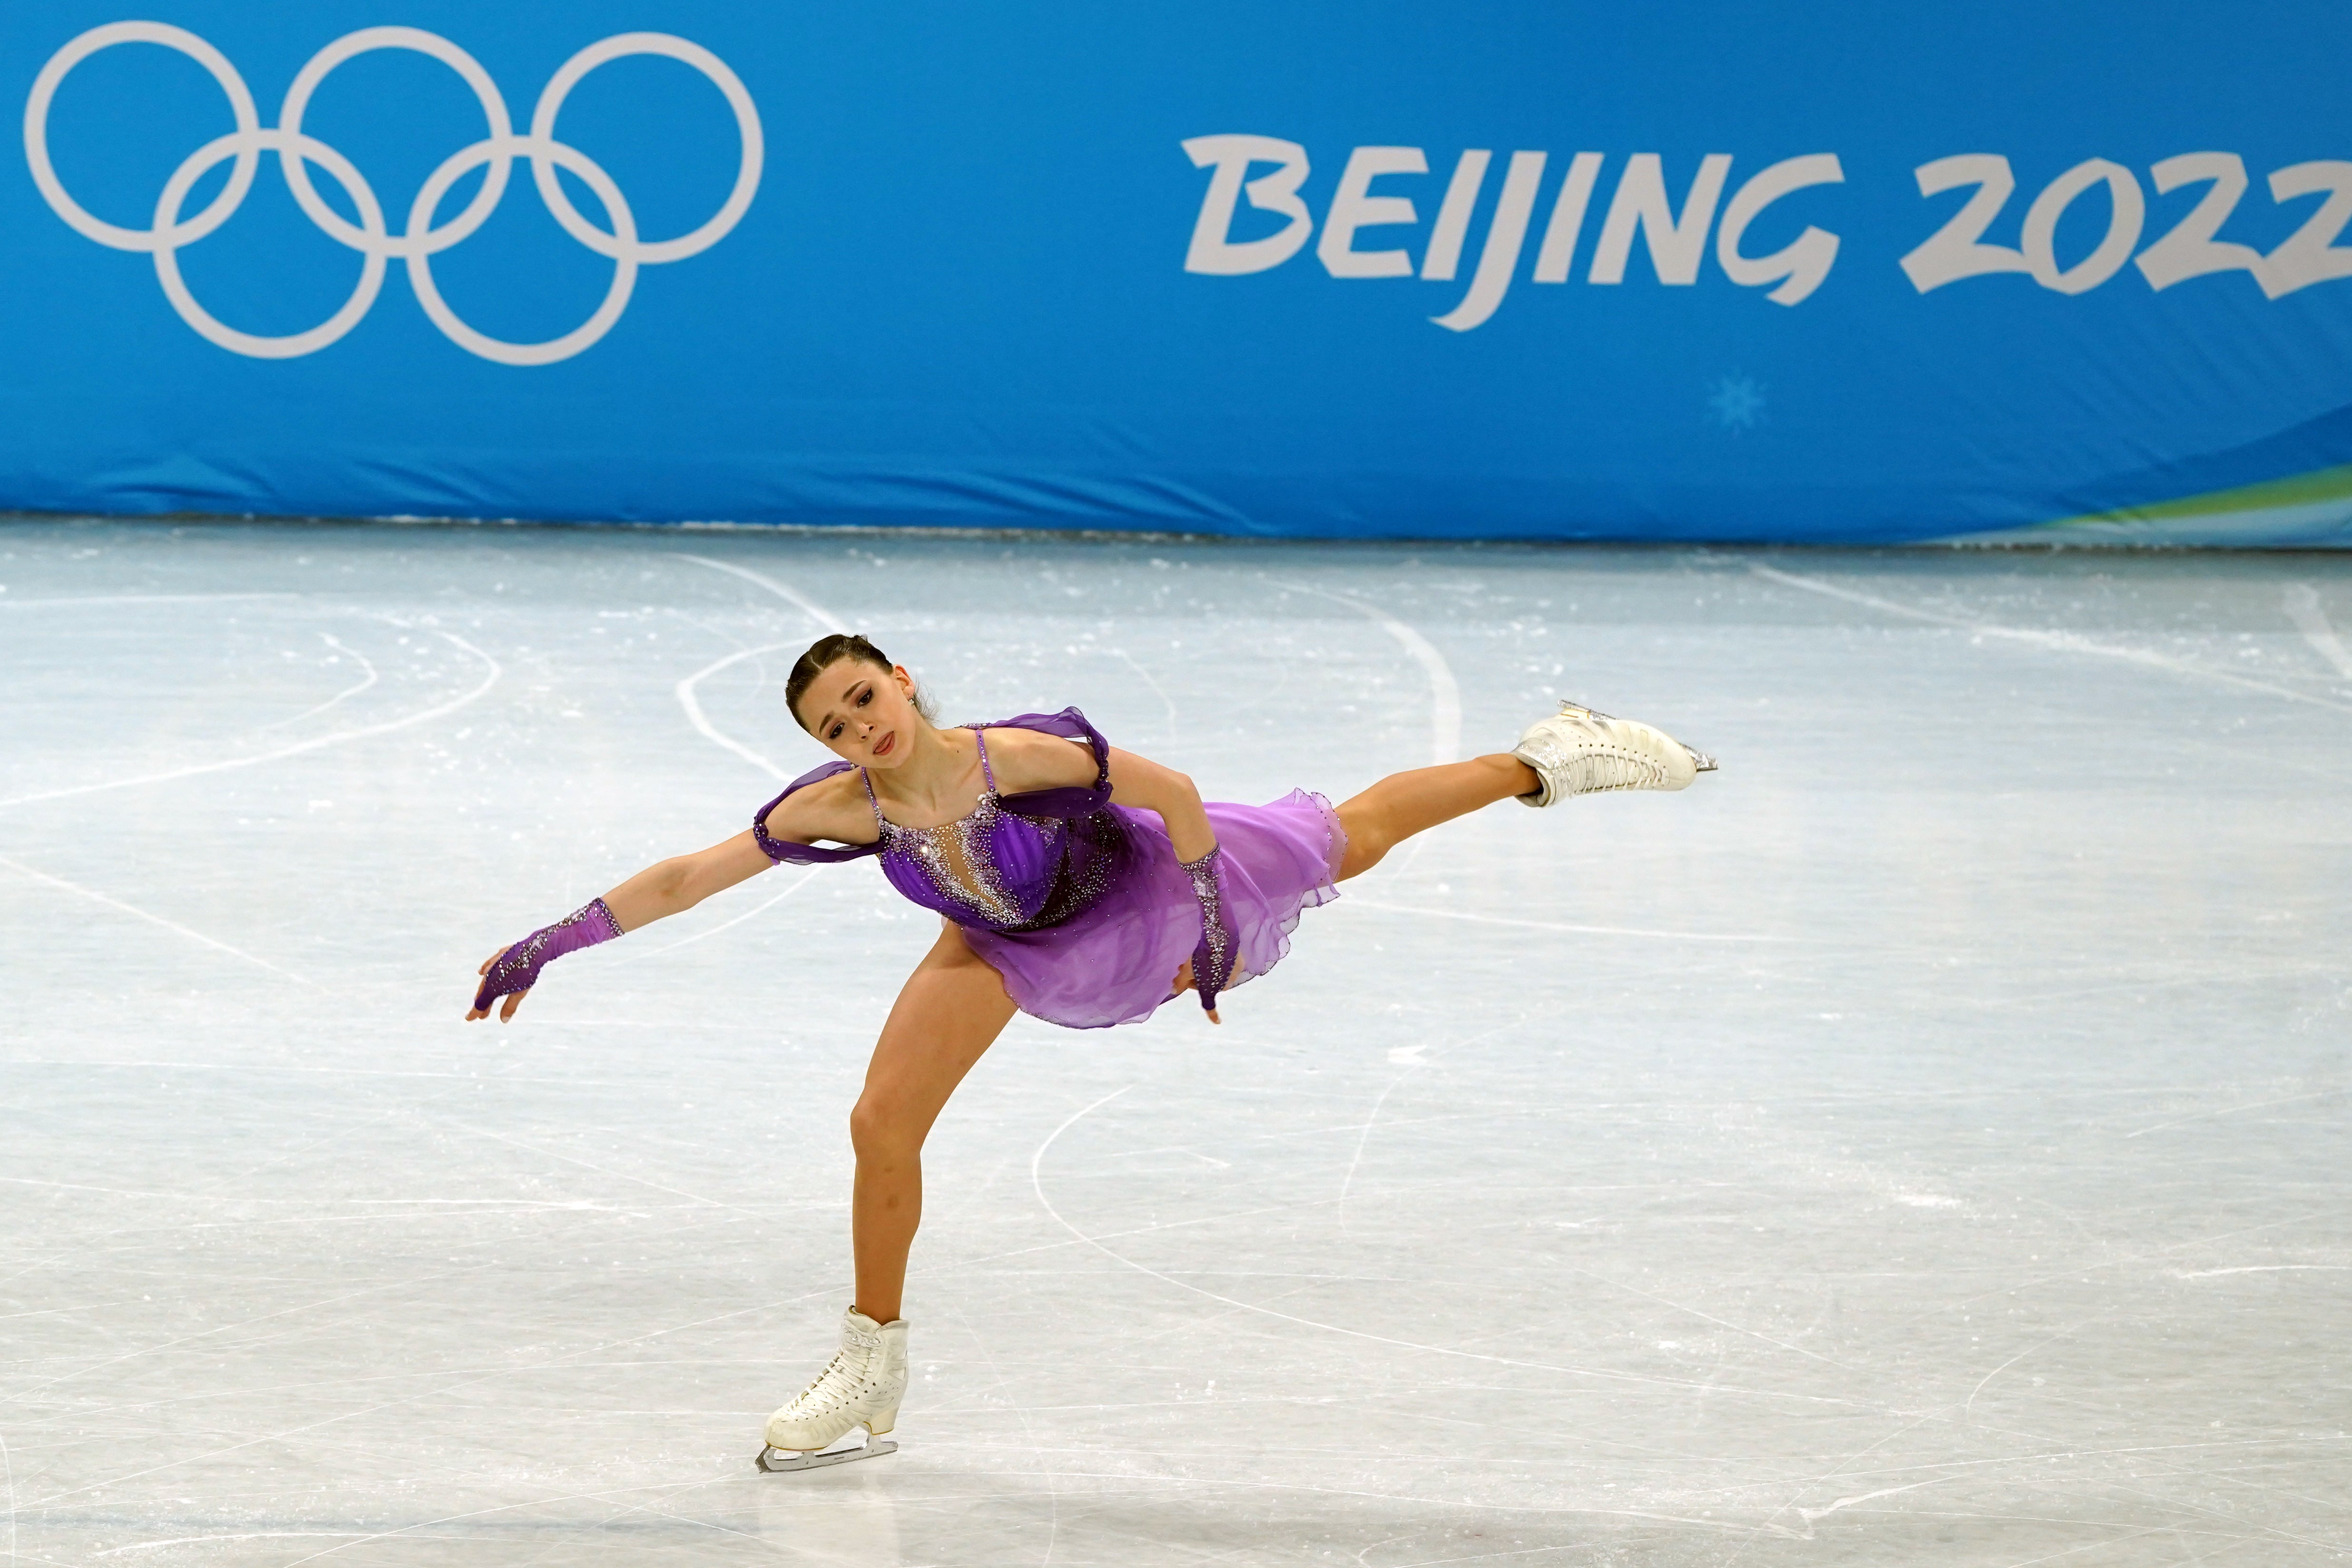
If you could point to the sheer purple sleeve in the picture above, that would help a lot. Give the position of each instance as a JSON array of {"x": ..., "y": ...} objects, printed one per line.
[
  {"x": 517, "y": 967},
  {"x": 781, "y": 850},
  {"x": 1068, "y": 800},
  {"x": 1213, "y": 960}
]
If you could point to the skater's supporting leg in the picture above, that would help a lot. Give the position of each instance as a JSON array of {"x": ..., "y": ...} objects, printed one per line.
[
  {"x": 948, "y": 1013},
  {"x": 1402, "y": 805}
]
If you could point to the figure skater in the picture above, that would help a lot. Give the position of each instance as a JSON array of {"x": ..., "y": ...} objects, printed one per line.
[{"x": 1078, "y": 883}]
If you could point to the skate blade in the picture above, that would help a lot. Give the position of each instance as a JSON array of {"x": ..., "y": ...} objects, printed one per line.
[
  {"x": 776, "y": 1461},
  {"x": 1700, "y": 761}
]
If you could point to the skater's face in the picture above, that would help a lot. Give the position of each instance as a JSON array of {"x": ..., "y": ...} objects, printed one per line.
[{"x": 862, "y": 713}]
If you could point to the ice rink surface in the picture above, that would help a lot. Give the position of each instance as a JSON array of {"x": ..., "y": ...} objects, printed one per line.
[{"x": 1922, "y": 1142}]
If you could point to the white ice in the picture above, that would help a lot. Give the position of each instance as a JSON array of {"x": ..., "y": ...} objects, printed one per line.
[{"x": 1922, "y": 1142}]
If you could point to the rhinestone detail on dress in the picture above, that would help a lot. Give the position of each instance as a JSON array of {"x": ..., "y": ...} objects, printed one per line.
[{"x": 956, "y": 861}]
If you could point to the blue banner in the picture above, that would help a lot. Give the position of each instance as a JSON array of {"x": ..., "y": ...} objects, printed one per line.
[{"x": 1543, "y": 270}]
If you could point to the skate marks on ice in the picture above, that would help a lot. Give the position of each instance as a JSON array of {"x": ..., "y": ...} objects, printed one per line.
[
  {"x": 67, "y": 657},
  {"x": 480, "y": 1526},
  {"x": 2168, "y": 1126},
  {"x": 368, "y": 678},
  {"x": 2067, "y": 1474},
  {"x": 1444, "y": 700},
  {"x": 111, "y": 601},
  {"x": 1412, "y": 1058},
  {"x": 688, "y": 700},
  {"x": 1895, "y": 1455},
  {"x": 541, "y": 1523},
  {"x": 686, "y": 689},
  {"x": 1040, "y": 1455},
  {"x": 491, "y": 668},
  {"x": 174, "y": 926},
  {"x": 1734, "y": 1528},
  {"x": 1152, "y": 681},
  {"x": 2057, "y": 641},
  {"x": 754, "y": 912},
  {"x": 1563, "y": 926},
  {"x": 2301, "y": 602},
  {"x": 687, "y": 695},
  {"x": 1604, "y": 1374},
  {"x": 1445, "y": 691},
  {"x": 528, "y": 1297},
  {"x": 783, "y": 591}
]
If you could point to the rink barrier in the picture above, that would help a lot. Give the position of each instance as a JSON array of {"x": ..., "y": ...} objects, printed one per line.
[{"x": 1536, "y": 271}]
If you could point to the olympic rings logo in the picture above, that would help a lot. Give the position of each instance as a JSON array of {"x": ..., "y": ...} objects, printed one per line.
[{"x": 421, "y": 239}]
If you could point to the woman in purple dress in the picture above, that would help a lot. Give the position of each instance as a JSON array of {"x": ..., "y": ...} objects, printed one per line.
[{"x": 1078, "y": 883}]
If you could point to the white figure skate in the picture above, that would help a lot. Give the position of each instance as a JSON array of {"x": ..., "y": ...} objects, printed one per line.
[
  {"x": 862, "y": 1387},
  {"x": 1579, "y": 751}
]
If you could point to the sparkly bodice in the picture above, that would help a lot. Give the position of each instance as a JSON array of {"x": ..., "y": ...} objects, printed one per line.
[
  {"x": 983, "y": 863},
  {"x": 1018, "y": 862}
]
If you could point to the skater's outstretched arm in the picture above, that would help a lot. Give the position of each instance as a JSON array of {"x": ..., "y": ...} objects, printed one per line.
[
  {"x": 664, "y": 888},
  {"x": 672, "y": 886}
]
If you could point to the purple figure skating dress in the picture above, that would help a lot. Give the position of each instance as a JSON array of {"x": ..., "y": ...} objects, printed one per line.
[{"x": 1081, "y": 905}]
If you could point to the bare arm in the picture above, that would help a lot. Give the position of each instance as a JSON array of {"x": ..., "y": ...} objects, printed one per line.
[
  {"x": 663, "y": 888},
  {"x": 1152, "y": 786},
  {"x": 831, "y": 809},
  {"x": 820, "y": 811},
  {"x": 682, "y": 882},
  {"x": 1027, "y": 760}
]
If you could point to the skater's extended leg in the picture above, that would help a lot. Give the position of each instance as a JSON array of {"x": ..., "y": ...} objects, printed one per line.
[
  {"x": 1575, "y": 752},
  {"x": 948, "y": 1013},
  {"x": 1402, "y": 805}
]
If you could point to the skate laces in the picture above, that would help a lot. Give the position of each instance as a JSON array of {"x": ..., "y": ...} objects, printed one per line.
[
  {"x": 1612, "y": 768},
  {"x": 1603, "y": 762},
  {"x": 1623, "y": 761},
  {"x": 837, "y": 1385}
]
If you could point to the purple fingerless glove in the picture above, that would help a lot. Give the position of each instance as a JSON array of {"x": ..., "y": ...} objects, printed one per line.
[
  {"x": 1213, "y": 960},
  {"x": 517, "y": 967}
]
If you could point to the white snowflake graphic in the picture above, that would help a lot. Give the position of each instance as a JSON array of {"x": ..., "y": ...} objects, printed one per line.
[{"x": 1737, "y": 402}]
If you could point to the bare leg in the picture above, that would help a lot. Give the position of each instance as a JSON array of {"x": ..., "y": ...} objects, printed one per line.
[
  {"x": 948, "y": 1013},
  {"x": 1402, "y": 805}
]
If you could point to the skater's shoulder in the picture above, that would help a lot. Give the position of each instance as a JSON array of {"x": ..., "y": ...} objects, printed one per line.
[
  {"x": 1025, "y": 758},
  {"x": 833, "y": 808}
]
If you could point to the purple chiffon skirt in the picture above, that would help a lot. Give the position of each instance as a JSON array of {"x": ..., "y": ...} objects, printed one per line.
[{"x": 1114, "y": 963}]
